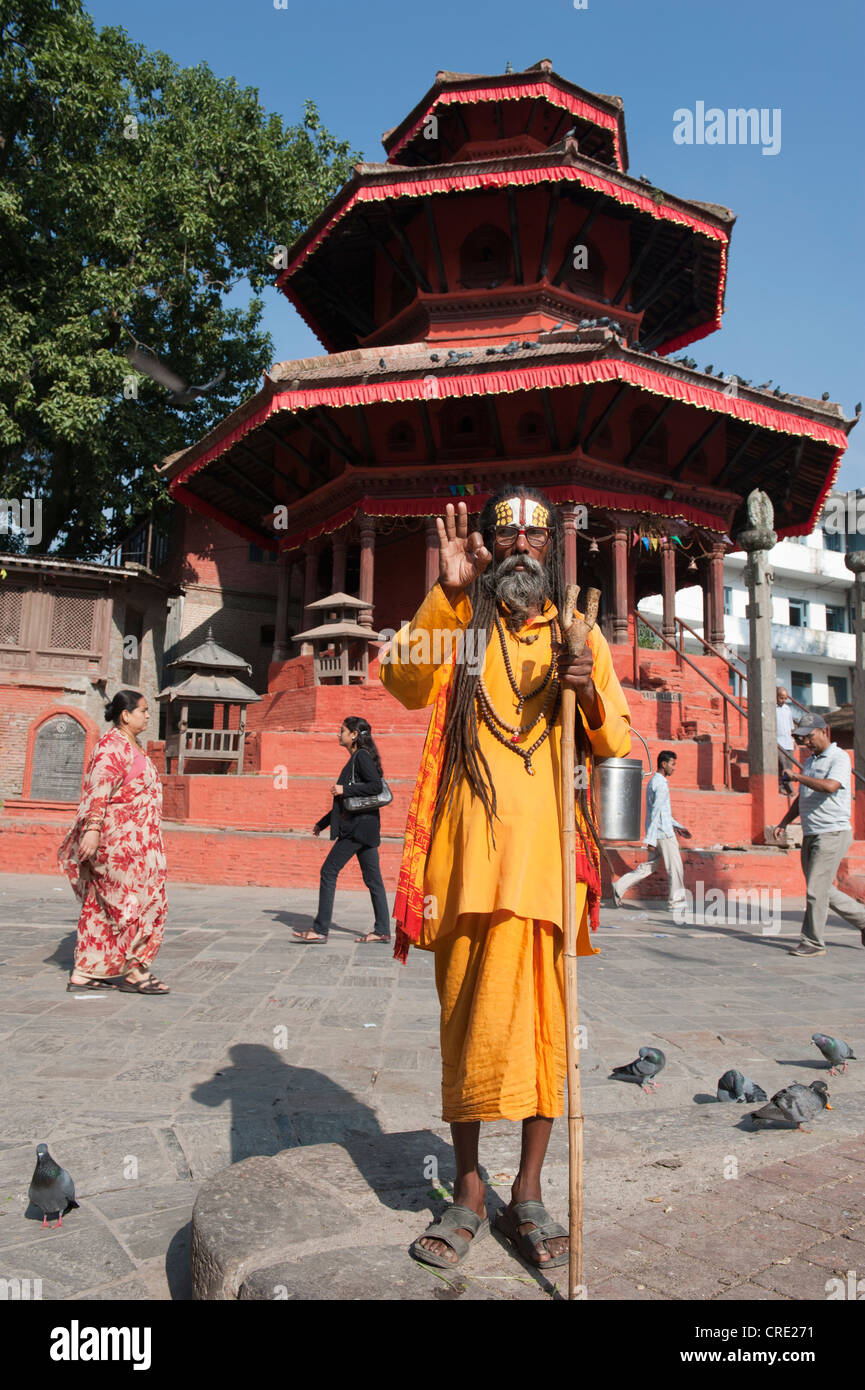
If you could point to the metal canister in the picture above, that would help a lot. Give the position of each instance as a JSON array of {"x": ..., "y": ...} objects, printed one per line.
[{"x": 619, "y": 786}]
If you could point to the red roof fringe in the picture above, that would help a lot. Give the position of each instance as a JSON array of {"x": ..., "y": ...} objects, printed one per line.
[{"x": 564, "y": 100}]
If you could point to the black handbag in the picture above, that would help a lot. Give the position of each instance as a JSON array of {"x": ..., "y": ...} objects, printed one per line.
[{"x": 369, "y": 803}]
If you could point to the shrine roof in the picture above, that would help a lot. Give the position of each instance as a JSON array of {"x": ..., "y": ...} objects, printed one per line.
[
  {"x": 335, "y": 630},
  {"x": 537, "y": 81},
  {"x": 385, "y": 378},
  {"x": 371, "y": 182},
  {"x": 210, "y": 687},
  {"x": 211, "y": 656}
]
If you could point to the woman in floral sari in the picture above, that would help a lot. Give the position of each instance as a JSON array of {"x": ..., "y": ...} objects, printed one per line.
[{"x": 114, "y": 859}]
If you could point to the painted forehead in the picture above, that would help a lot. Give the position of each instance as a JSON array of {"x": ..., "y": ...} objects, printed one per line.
[{"x": 523, "y": 511}]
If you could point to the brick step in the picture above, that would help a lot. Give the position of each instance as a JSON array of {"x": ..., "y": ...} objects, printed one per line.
[
  {"x": 199, "y": 855},
  {"x": 700, "y": 763},
  {"x": 253, "y": 803}
]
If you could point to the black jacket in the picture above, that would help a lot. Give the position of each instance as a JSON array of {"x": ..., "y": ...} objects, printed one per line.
[{"x": 364, "y": 826}]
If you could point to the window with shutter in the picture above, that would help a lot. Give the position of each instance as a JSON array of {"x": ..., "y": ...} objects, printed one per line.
[
  {"x": 72, "y": 622},
  {"x": 11, "y": 601}
]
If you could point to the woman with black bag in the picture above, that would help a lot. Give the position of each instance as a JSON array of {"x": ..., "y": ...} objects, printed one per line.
[{"x": 355, "y": 830}]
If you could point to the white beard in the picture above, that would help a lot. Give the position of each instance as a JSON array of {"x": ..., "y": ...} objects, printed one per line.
[{"x": 520, "y": 589}]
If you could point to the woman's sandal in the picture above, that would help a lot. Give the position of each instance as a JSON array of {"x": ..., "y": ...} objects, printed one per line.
[
  {"x": 530, "y": 1243},
  {"x": 369, "y": 938},
  {"x": 445, "y": 1229},
  {"x": 149, "y": 985},
  {"x": 73, "y": 988},
  {"x": 306, "y": 940}
]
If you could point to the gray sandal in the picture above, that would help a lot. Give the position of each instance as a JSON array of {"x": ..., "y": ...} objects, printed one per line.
[
  {"x": 445, "y": 1229},
  {"x": 529, "y": 1243}
]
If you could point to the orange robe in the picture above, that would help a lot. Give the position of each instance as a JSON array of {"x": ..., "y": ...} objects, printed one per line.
[{"x": 493, "y": 911}]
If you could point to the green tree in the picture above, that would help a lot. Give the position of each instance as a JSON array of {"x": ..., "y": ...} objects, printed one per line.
[{"x": 134, "y": 196}]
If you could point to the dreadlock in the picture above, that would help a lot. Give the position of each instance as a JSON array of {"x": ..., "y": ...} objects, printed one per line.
[{"x": 463, "y": 755}]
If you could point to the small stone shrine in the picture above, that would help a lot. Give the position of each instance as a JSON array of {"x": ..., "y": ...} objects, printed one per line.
[{"x": 213, "y": 680}]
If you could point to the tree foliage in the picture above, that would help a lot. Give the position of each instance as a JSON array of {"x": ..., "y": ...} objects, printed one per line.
[{"x": 134, "y": 196}]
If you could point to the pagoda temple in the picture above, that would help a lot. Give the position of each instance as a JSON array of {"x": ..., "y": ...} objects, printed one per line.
[{"x": 499, "y": 300}]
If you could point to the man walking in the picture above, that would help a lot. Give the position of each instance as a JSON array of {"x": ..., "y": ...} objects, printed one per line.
[
  {"x": 661, "y": 838},
  {"x": 481, "y": 879},
  {"x": 824, "y": 805},
  {"x": 786, "y": 747}
]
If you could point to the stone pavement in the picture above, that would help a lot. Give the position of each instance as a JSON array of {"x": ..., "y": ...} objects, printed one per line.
[{"x": 326, "y": 1056}]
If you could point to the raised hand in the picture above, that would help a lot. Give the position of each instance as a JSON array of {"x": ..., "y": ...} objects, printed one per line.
[{"x": 462, "y": 557}]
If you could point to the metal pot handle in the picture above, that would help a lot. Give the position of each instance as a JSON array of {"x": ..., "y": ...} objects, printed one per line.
[{"x": 648, "y": 754}]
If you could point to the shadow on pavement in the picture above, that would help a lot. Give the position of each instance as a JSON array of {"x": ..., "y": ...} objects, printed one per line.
[{"x": 277, "y": 1106}]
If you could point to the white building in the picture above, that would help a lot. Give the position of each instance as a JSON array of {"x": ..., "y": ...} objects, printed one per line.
[{"x": 813, "y": 638}]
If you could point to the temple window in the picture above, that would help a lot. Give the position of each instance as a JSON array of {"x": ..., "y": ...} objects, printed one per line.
[
  {"x": 485, "y": 258},
  {"x": 588, "y": 279},
  {"x": 72, "y": 621},
  {"x": 401, "y": 437},
  {"x": 465, "y": 424},
  {"x": 531, "y": 429}
]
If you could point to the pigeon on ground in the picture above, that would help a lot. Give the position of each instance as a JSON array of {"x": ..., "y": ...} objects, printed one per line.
[
  {"x": 834, "y": 1050},
  {"x": 793, "y": 1105},
  {"x": 157, "y": 371},
  {"x": 52, "y": 1189},
  {"x": 650, "y": 1061},
  {"x": 734, "y": 1086}
]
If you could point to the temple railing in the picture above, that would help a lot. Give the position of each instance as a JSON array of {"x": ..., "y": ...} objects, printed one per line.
[{"x": 729, "y": 702}]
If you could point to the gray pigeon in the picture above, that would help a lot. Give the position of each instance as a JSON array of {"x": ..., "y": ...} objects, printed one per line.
[
  {"x": 834, "y": 1050},
  {"x": 52, "y": 1189},
  {"x": 650, "y": 1061},
  {"x": 734, "y": 1086},
  {"x": 793, "y": 1105}
]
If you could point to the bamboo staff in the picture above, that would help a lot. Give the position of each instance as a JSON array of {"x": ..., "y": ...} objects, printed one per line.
[{"x": 574, "y": 631}]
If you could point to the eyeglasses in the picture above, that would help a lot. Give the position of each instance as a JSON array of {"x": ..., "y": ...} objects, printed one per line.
[{"x": 535, "y": 535}]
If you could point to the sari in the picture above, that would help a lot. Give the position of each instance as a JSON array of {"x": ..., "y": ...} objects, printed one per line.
[{"x": 122, "y": 887}]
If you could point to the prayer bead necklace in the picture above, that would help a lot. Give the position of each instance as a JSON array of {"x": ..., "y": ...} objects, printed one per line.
[
  {"x": 524, "y": 753},
  {"x": 508, "y": 734},
  {"x": 540, "y": 688}
]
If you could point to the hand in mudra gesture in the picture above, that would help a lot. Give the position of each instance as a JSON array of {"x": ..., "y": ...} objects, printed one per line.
[{"x": 462, "y": 557}]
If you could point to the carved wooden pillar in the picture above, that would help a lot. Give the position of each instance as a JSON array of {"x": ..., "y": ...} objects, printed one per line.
[
  {"x": 281, "y": 640},
  {"x": 716, "y": 588},
  {"x": 367, "y": 569},
  {"x": 668, "y": 589},
  {"x": 310, "y": 578},
  {"x": 569, "y": 514},
  {"x": 432, "y": 552},
  {"x": 620, "y": 585},
  {"x": 339, "y": 546}
]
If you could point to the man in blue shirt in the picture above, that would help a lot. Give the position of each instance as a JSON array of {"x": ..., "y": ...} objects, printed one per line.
[
  {"x": 660, "y": 837},
  {"x": 824, "y": 805}
]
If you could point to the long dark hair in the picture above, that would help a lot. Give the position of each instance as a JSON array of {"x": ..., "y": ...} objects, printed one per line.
[
  {"x": 463, "y": 754},
  {"x": 356, "y": 725},
  {"x": 124, "y": 700}
]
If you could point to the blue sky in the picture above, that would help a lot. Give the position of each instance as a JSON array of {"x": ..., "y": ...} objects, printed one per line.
[{"x": 794, "y": 296}]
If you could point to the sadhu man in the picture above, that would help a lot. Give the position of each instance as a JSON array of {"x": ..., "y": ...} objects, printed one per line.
[{"x": 481, "y": 878}]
